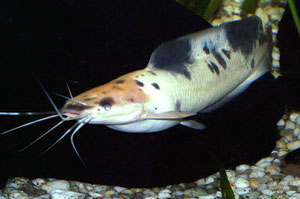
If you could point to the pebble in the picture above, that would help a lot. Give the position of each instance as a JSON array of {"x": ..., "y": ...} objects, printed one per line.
[
  {"x": 293, "y": 145},
  {"x": 241, "y": 183},
  {"x": 241, "y": 168},
  {"x": 16, "y": 194},
  {"x": 164, "y": 194},
  {"x": 297, "y": 120},
  {"x": 290, "y": 125},
  {"x": 267, "y": 192},
  {"x": 61, "y": 194},
  {"x": 254, "y": 183},
  {"x": 57, "y": 184}
]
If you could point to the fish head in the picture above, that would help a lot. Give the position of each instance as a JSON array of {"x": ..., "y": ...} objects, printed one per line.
[{"x": 117, "y": 102}]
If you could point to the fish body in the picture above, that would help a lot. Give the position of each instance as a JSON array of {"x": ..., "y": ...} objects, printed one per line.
[{"x": 192, "y": 74}]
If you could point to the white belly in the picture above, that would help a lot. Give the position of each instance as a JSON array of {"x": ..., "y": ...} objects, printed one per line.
[{"x": 145, "y": 126}]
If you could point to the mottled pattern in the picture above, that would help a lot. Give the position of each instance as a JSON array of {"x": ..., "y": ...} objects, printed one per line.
[
  {"x": 252, "y": 63},
  {"x": 205, "y": 48},
  {"x": 215, "y": 67},
  {"x": 120, "y": 91},
  {"x": 121, "y": 81},
  {"x": 226, "y": 53},
  {"x": 141, "y": 84},
  {"x": 106, "y": 101},
  {"x": 173, "y": 57},
  {"x": 243, "y": 34},
  {"x": 220, "y": 59},
  {"x": 155, "y": 85},
  {"x": 178, "y": 105}
]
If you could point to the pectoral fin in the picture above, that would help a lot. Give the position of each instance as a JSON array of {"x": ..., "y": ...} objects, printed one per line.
[
  {"x": 170, "y": 115},
  {"x": 193, "y": 124}
]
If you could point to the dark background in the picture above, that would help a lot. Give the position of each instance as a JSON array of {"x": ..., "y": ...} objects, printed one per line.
[{"x": 88, "y": 43}]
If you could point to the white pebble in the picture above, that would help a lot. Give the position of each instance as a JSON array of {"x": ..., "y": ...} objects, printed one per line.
[
  {"x": 288, "y": 138},
  {"x": 290, "y": 193},
  {"x": 273, "y": 170},
  {"x": 211, "y": 196},
  {"x": 293, "y": 145},
  {"x": 286, "y": 180},
  {"x": 210, "y": 179},
  {"x": 57, "y": 184},
  {"x": 257, "y": 174},
  {"x": 267, "y": 192},
  {"x": 242, "y": 191},
  {"x": 293, "y": 116},
  {"x": 95, "y": 194},
  {"x": 297, "y": 195},
  {"x": 280, "y": 144},
  {"x": 38, "y": 181},
  {"x": 60, "y": 194},
  {"x": 254, "y": 183},
  {"x": 297, "y": 132},
  {"x": 230, "y": 175},
  {"x": 16, "y": 194},
  {"x": 243, "y": 167},
  {"x": 201, "y": 181},
  {"x": 281, "y": 122},
  {"x": 295, "y": 182},
  {"x": 150, "y": 197},
  {"x": 282, "y": 152},
  {"x": 262, "y": 187},
  {"x": 289, "y": 125},
  {"x": 265, "y": 162},
  {"x": 119, "y": 189},
  {"x": 241, "y": 183},
  {"x": 297, "y": 120},
  {"x": 164, "y": 193}
]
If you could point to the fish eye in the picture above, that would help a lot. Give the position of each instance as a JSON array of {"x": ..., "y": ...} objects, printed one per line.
[{"x": 107, "y": 107}]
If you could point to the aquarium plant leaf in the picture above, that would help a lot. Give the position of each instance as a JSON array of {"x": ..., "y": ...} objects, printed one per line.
[
  {"x": 295, "y": 14},
  {"x": 249, "y": 6},
  {"x": 226, "y": 189},
  {"x": 204, "y": 8}
]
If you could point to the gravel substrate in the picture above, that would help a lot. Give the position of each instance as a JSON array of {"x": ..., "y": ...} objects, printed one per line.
[{"x": 268, "y": 178}]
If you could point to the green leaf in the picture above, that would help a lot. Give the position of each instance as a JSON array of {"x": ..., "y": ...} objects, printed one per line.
[
  {"x": 295, "y": 14},
  {"x": 226, "y": 190},
  {"x": 250, "y": 6},
  {"x": 204, "y": 8}
]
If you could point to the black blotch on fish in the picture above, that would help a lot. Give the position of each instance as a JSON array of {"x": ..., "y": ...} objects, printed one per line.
[
  {"x": 117, "y": 87},
  {"x": 173, "y": 57},
  {"x": 141, "y": 84},
  {"x": 178, "y": 105},
  {"x": 226, "y": 53},
  {"x": 106, "y": 101},
  {"x": 152, "y": 73},
  {"x": 215, "y": 67},
  {"x": 205, "y": 48},
  {"x": 252, "y": 63},
  {"x": 220, "y": 59},
  {"x": 243, "y": 34},
  {"x": 155, "y": 85},
  {"x": 120, "y": 81},
  {"x": 210, "y": 68},
  {"x": 88, "y": 99}
]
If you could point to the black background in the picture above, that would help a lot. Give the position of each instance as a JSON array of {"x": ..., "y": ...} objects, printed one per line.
[{"x": 88, "y": 43}]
